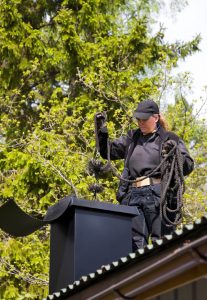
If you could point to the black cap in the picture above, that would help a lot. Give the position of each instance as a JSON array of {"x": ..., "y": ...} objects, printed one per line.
[{"x": 145, "y": 109}]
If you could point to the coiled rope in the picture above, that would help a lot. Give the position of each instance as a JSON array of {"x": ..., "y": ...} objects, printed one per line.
[{"x": 172, "y": 186}]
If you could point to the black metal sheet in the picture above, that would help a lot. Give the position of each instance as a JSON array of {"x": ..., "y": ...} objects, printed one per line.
[
  {"x": 16, "y": 222},
  {"x": 57, "y": 210}
]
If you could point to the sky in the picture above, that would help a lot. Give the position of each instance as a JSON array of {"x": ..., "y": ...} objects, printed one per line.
[{"x": 184, "y": 26}]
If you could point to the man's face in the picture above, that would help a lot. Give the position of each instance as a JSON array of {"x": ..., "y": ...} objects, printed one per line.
[{"x": 149, "y": 125}]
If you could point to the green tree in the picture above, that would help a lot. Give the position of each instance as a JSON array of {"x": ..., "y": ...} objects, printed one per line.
[{"x": 62, "y": 61}]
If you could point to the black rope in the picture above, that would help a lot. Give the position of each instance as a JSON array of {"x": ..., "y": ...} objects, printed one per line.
[{"x": 172, "y": 188}]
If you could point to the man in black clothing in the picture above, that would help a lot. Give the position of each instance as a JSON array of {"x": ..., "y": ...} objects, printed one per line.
[{"x": 142, "y": 150}]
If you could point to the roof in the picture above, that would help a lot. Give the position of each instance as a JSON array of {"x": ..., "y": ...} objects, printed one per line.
[{"x": 170, "y": 262}]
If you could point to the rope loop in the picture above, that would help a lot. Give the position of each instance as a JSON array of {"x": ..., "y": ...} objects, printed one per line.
[{"x": 172, "y": 187}]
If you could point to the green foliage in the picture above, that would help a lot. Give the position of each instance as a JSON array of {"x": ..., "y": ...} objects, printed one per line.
[{"x": 62, "y": 61}]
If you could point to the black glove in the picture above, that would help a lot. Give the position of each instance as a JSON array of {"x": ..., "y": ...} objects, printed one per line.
[
  {"x": 100, "y": 120},
  {"x": 167, "y": 147}
]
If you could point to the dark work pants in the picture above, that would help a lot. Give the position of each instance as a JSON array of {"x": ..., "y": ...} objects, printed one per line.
[{"x": 148, "y": 223}]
